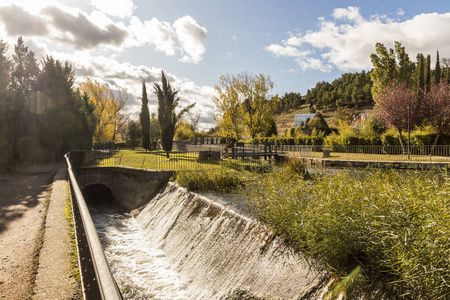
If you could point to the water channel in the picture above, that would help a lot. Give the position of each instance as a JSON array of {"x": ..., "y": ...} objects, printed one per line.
[{"x": 141, "y": 269}]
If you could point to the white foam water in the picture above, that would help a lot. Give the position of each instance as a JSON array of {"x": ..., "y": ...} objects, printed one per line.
[
  {"x": 186, "y": 246},
  {"x": 140, "y": 268}
]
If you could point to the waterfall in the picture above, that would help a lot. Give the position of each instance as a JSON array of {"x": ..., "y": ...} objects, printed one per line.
[{"x": 215, "y": 250}]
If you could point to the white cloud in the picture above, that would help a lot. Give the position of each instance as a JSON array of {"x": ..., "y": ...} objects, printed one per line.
[
  {"x": 400, "y": 12},
  {"x": 350, "y": 13},
  {"x": 192, "y": 38},
  {"x": 154, "y": 32},
  {"x": 72, "y": 27},
  {"x": 125, "y": 75},
  {"x": 115, "y": 8},
  {"x": 279, "y": 50},
  {"x": 347, "y": 41}
]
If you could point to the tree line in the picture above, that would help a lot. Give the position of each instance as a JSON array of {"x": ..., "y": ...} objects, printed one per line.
[
  {"x": 409, "y": 94},
  {"x": 40, "y": 110},
  {"x": 349, "y": 90}
]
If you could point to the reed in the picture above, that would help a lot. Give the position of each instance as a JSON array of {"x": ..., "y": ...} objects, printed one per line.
[{"x": 395, "y": 226}]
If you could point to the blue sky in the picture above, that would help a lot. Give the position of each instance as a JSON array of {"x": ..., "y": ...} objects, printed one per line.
[{"x": 297, "y": 43}]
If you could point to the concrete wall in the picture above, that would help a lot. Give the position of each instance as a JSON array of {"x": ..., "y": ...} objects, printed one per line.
[{"x": 131, "y": 188}]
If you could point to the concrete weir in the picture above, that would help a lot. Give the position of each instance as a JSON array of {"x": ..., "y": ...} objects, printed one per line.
[
  {"x": 218, "y": 251},
  {"x": 215, "y": 251}
]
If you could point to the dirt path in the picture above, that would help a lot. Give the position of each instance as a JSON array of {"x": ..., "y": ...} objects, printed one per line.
[{"x": 23, "y": 195}]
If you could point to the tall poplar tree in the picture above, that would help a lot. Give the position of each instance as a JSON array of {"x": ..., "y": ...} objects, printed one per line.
[{"x": 145, "y": 119}]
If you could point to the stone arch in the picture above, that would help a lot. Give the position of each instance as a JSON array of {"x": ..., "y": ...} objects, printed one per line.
[{"x": 97, "y": 193}]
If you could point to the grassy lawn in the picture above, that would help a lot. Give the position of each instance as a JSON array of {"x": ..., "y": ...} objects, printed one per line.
[{"x": 158, "y": 160}]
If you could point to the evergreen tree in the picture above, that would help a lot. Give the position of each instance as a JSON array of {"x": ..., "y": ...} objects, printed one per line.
[
  {"x": 168, "y": 118},
  {"x": 437, "y": 70},
  {"x": 420, "y": 76},
  {"x": 133, "y": 133},
  {"x": 145, "y": 119},
  {"x": 428, "y": 74},
  {"x": 6, "y": 124}
]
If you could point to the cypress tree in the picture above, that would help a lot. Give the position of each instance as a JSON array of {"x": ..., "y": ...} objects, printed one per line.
[
  {"x": 145, "y": 119},
  {"x": 437, "y": 70},
  {"x": 168, "y": 101},
  {"x": 428, "y": 74},
  {"x": 420, "y": 76}
]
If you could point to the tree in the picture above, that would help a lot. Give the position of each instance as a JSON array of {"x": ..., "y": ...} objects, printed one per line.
[
  {"x": 436, "y": 109},
  {"x": 390, "y": 65},
  {"x": 193, "y": 122},
  {"x": 167, "y": 116},
  {"x": 6, "y": 125},
  {"x": 256, "y": 105},
  {"x": 133, "y": 133},
  {"x": 420, "y": 75},
  {"x": 40, "y": 111},
  {"x": 437, "y": 70},
  {"x": 243, "y": 101},
  {"x": 108, "y": 105},
  {"x": 319, "y": 123},
  {"x": 428, "y": 74},
  {"x": 144, "y": 117},
  {"x": 228, "y": 107},
  {"x": 393, "y": 105}
]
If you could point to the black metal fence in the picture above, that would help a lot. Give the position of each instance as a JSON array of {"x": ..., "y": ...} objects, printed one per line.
[
  {"x": 180, "y": 160},
  {"x": 417, "y": 153}
]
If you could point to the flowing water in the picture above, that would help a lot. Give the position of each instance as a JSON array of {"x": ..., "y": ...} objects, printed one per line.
[
  {"x": 141, "y": 269},
  {"x": 185, "y": 246}
]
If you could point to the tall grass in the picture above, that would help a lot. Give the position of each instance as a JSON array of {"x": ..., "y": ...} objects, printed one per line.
[
  {"x": 219, "y": 180},
  {"x": 395, "y": 226}
]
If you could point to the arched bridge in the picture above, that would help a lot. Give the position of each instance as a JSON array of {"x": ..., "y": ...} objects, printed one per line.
[{"x": 129, "y": 187}]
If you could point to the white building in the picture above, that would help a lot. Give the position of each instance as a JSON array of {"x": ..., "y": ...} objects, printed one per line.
[{"x": 299, "y": 118}]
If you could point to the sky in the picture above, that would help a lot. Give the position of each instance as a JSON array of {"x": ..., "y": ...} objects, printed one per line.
[{"x": 296, "y": 42}]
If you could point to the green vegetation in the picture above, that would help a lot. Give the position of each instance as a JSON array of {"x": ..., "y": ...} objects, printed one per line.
[
  {"x": 349, "y": 90},
  {"x": 382, "y": 228},
  {"x": 40, "y": 111},
  {"x": 168, "y": 101},
  {"x": 220, "y": 180},
  {"x": 395, "y": 226},
  {"x": 68, "y": 214},
  {"x": 144, "y": 118}
]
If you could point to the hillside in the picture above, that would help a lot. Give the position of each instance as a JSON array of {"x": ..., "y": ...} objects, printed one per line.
[{"x": 286, "y": 120}]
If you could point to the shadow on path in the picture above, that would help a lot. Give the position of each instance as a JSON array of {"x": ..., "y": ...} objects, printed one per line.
[{"x": 20, "y": 191}]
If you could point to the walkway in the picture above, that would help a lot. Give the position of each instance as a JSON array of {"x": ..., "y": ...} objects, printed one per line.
[{"x": 34, "y": 251}]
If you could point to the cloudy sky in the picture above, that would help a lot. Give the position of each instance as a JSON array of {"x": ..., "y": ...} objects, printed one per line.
[{"x": 296, "y": 42}]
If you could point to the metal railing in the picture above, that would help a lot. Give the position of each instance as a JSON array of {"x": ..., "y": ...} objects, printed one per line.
[
  {"x": 176, "y": 161},
  {"x": 97, "y": 279},
  {"x": 418, "y": 153}
]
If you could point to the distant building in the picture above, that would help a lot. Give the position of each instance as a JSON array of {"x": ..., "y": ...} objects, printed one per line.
[{"x": 299, "y": 118}]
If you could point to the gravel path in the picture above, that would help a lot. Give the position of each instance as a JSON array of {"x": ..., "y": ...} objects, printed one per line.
[
  {"x": 23, "y": 198},
  {"x": 54, "y": 280}
]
